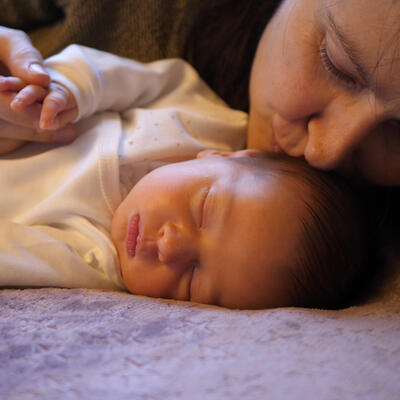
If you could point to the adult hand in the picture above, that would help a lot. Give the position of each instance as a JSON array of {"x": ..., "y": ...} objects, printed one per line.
[
  {"x": 20, "y": 59},
  {"x": 21, "y": 135},
  {"x": 20, "y": 65}
]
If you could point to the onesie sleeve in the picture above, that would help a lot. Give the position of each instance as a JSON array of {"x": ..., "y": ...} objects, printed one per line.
[
  {"x": 52, "y": 256},
  {"x": 102, "y": 81}
]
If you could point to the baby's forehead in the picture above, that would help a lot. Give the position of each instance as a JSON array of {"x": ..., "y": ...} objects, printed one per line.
[
  {"x": 287, "y": 172},
  {"x": 271, "y": 191}
]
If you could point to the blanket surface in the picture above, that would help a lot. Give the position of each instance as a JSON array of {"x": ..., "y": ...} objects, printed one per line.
[{"x": 88, "y": 344}]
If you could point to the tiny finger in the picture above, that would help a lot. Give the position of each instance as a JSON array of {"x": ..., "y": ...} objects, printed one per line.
[
  {"x": 9, "y": 145},
  {"x": 63, "y": 118},
  {"x": 28, "y": 117},
  {"x": 11, "y": 83},
  {"x": 53, "y": 104},
  {"x": 28, "y": 95}
]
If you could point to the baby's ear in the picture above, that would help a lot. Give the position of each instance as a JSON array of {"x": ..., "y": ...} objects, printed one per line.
[{"x": 238, "y": 153}]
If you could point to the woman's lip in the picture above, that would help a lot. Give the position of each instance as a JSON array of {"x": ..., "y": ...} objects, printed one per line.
[
  {"x": 132, "y": 235},
  {"x": 275, "y": 146}
]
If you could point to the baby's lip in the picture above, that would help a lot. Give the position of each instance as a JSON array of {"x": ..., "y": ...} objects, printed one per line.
[{"x": 132, "y": 235}]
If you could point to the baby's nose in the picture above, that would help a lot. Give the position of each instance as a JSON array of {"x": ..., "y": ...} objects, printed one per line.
[{"x": 176, "y": 246}]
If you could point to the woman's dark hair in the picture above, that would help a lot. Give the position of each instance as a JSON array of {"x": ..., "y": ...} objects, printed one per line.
[{"x": 222, "y": 41}]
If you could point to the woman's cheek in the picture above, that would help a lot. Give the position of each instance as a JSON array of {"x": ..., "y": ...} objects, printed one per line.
[{"x": 288, "y": 93}]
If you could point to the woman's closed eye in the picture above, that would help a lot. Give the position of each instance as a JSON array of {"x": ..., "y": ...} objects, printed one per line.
[{"x": 331, "y": 68}]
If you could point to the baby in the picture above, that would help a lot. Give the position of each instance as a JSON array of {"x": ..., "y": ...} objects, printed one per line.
[
  {"x": 239, "y": 229},
  {"x": 250, "y": 231}
]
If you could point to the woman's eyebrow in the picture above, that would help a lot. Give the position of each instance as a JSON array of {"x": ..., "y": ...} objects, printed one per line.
[{"x": 349, "y": 48}]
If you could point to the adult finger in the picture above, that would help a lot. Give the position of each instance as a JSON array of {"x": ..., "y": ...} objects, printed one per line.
[
  {"x": 28, "y": 117},
  {"x": 8, "y": 145},
  {"x": 16, "y": 132},
  {"x": 4, "y": 70},
  {"x": 21, "y": 58}
]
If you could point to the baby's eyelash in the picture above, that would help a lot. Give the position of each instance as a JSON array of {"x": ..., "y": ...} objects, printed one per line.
[
  {"x": 190, "y": 283},
  {"x": 202, "y": 210},
  {"x": 332, "y": 69}
]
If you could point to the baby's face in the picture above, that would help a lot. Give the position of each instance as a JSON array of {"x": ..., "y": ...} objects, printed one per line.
[{"x": 210, "y": 231}]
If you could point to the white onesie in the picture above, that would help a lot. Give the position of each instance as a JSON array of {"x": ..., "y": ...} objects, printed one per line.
[{"x": 57, "y": 202}]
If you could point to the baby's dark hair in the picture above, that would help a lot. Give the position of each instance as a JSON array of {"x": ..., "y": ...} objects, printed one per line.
[{"x": 336, "y": 250}]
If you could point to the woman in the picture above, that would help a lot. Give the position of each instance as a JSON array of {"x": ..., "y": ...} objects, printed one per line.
[{"x": 324, "y": 79}]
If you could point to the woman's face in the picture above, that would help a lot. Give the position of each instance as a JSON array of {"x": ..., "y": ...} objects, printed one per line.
[{"x": 325, "y": 85}]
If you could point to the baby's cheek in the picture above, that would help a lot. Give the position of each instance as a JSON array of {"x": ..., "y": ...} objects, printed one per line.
[
  {"x": 118, "y": 228},
  {"x": 127, "y": 275}
]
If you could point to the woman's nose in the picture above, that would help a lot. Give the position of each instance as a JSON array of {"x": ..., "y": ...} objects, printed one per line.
[
  {"x": 338, "y": 131},
  {"x": 176, "y": 245}
]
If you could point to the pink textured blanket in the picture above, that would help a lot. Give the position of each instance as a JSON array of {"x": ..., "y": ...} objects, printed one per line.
[{"x": 87, "y": 344}]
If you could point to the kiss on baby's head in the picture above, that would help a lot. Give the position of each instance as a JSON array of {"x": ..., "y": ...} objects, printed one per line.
[{"x": 242, "y": 232}]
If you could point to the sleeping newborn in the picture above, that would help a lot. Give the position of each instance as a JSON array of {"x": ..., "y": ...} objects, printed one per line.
[
  {"x": 240, "y": 230},
  {"x": 253, "y": 231}
]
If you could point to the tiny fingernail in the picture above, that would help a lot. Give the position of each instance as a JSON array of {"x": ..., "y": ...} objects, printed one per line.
[{"x": 37, "y": 69}]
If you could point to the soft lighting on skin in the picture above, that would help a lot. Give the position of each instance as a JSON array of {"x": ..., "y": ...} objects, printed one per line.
[
  {"x": 212, "y": 230},
  {"x": 325, "y": 86}
]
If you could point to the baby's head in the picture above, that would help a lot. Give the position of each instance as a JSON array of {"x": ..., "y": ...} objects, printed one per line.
[{"x": 243, "y": 230}]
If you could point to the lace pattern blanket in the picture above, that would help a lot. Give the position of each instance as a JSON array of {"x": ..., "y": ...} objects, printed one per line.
[{"x": 88, "y": 344}]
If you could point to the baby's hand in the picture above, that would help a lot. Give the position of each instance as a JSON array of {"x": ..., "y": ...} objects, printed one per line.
[{"x": 59, "y": 107}]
